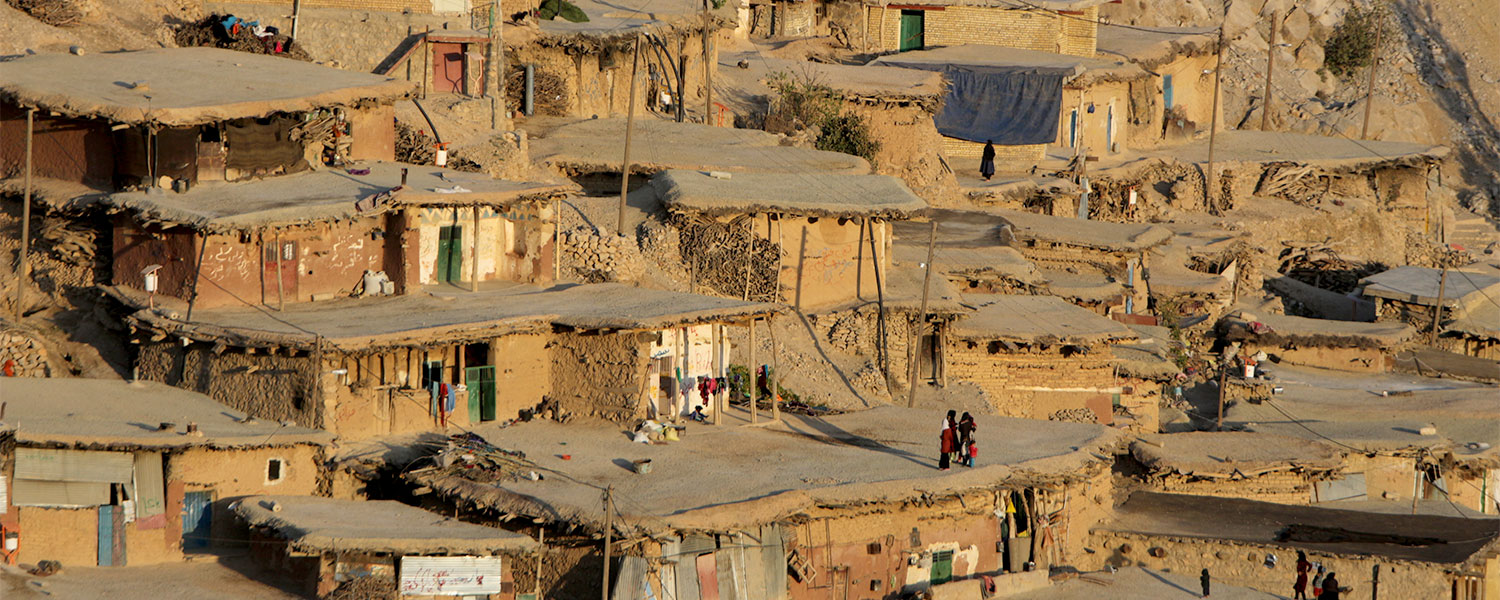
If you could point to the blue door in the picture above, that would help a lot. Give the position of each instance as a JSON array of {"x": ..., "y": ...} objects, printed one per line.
[
  {"x": 1073, "y": 130},
  {"x": 197, "y": 517},
  {"x": 1166, "y": 91},
  {"x": 1109, "y": 130},
  {"x": 106, "y": 536}
]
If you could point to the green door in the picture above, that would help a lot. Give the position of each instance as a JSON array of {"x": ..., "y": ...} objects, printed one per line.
[
  {"x": 481, "y": 382},
  {"x": 942, "y": 567},
  {"x": 450, "y": 259},
  {"x": 912, "y": 23}
]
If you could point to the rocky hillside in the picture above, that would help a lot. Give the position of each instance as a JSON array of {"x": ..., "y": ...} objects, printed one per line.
[{"x": 1438, "y": 79}]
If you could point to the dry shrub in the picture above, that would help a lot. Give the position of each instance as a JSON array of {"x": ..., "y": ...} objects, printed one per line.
[
  {"x": 57, "y": 13},
  {"x": 207, "y": 32}
]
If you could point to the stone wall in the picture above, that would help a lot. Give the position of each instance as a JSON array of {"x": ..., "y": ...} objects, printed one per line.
[
  {"x": 267, "y": 386},
  {"x": 23, "y": 355},
  {"x": 1033, "y": 383},
  {"x": 1038, "y": 30},
  {"x": 1281, "y": 487}
]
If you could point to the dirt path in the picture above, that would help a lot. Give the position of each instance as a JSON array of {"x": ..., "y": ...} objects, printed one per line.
[{"x": 232, "y": 578}]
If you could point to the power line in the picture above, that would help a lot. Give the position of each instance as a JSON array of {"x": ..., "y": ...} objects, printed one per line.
[{"x": 1107, "y": 23}]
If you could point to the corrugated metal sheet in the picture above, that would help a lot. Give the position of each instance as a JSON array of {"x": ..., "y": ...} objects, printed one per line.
[
  {"x": 773, "y": 550},
  {"x": 449, "y": 575},
  {"x": 74, "y": 465},
  {"x": 693, "y": 545},
  {"x": 150, "y": 492},
  {"x": 71, "y": 494},
  {"x": 630, "y": 580}
]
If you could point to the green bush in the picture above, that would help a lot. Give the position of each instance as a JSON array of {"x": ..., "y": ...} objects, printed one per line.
[
  {"x": 849, "y": 134},
  {"x": 1352, "y": 46},
  {"x": 806, "y": 102}
]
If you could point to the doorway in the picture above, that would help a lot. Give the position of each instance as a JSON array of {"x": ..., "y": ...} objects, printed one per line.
[
  {"x": 913, "y": 23},
  {"x": 447, "y": 67},
  {"x": 280, "y": 263},
  {"x": 450, "y": 258},
  {"x": 197, "y": 519}
]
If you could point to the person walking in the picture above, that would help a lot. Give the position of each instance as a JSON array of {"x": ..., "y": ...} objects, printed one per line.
[
  {"x": 987, "y": 161},
  {"x": 1317, "y": 582},
  {"x": 1204, "y": 579},
  {"x": 966, "y": 445},
  {"x": 1331, "y": 589},
  {"x": 947, "y": 441},
  {"x": 1299, "y": 587}
]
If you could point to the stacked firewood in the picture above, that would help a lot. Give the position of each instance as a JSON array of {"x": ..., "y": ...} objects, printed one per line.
[{"x": 717, "y": 254}]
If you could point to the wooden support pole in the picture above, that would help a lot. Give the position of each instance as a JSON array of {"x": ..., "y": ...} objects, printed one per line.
[
  {"x": 557, "y": 251},
  {"x": 541, "y": 550},
  {"x": 1265, "y": 103},
  {"x": 921, "y": 321},
  {"x": 609, "y": 530},
  {"x": 280, "y": 287},
  {"x": 1437, "y": 310},
  {"x": 494, "y": 83},
  {"x": 23, "y": 271},
  {"x": 1213, "y": 120},
  {"x": 296, "y": 17},
  {"x": 708, "y": 73},
  {"x": 754, "y": 380},
  {"x": 635, "y": 62},
  {"x": 474, "y": 253},
  {"x": 1223, "y": 381},
  {"x": 681, "y": 78},
  {"x": 774, "y": 377},
  {"x": 883, "y": 349},
  {"x": 426, "y": 61},
  {"x": 1364, "y": 130}
]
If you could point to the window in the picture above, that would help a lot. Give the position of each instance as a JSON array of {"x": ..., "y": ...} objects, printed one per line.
[{"x": 275, "y": 470}]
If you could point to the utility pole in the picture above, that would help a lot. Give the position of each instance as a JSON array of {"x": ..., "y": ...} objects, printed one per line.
[
  {"x": 708, "y": 74},
  {"x": 493, "y": 73},
  {"x": 1437, "y": 310},
  {"x": 1213, "y": 127},
  {"x": 1223, "y": 381},
  {"x": 682, "y": 79},
  {"x": 635, "y": 62},
  {"x": 296, "y": 17},
  {"x": 920, "y": 326},
  {"x": 23, "y": 271},
  {"x": 609, "y": 529},
  {"x": 1265, "y": 104},
  {"x": 1364, "y": 130}
]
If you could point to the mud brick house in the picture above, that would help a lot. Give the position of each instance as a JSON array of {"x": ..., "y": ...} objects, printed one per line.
[
  {"x": 1061, "y": 26},
  {"x": 1254, "y": 544},
  {"x": 969, "y": 252},
  {"x": 326, "y": 544},
  {"x": 1088, "y": 258},
  {"x": 835, "y": 253},
  {"x": 116, "y": 473},
  {"x": 1469, "y": 315},
  {"x": 316, "y": 236},
  {"x": 1237, "y": 464},
  {"x": 1037, "y": 356},
  {"x": 1342, "y": 345},
  {"x": 1177, "y": 101},
  {"x": 152, "y": 118},
  {"x": 872, "y": 515},
  {"x": 444, "y": 357},
  {"x": 1025, "y": 100}
]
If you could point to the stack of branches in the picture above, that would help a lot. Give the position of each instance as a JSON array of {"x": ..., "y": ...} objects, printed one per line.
[
  {"x": 210, "y": 32},
  {"x": 70, "y": 242},
  {"x": 1294, "y": 183},
  {"x": 1321, "y": 266},
  {"x": 469, "y": 456},
  {"x": 717, "y": 254},
  {"x": 549, "y": 92},
  {"x": 414, "y": 146},
  {"x": 57, "y": 13}
]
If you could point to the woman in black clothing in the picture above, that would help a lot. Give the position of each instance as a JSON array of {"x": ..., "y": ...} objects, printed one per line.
[
  {"x": 987, "y": 161},
  {"x": 966, "y": 445}
]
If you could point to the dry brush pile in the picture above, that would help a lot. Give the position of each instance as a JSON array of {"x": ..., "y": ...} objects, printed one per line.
[{"x": 728, "y": 259}]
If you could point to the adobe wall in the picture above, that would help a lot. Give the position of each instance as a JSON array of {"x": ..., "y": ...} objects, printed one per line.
[
  {"x": 1243, "y": 564},
  {"x": 857, "y": 331},
  {"x": 523, "y": 372},
  {"x": 66, "y": 535},
  {"x": 232, "y": 474},
  {"x": 1076, "y": 35},
  {"x": 597, "y": 82},
  {"x": 1403, "y": 191},
  {"x": 1033, "y": 384},
  {"x": 136, "y": 248},
  {"x": 273, "y": 387},
  {"x": 964, "y": 155},
  {"x": 73, "y": 150},
  {"x": 515, "y": 243},
  {"x": 1360, "y": 360},
  {"x": 1094, "y": 127},
  {"x": 1281, "y": 487},
  {"x": 825, "y": 262},
  {"x": 601, "y": 374},
  {"x": 373, "y": 131},
  {"x": 910, "y": 146}
]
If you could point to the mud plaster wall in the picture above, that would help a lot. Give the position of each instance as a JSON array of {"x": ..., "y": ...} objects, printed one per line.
[
  {"x": 1282, "y": 487},
  {"x": 857, "y": 331},
  {"x": 1362, "y": 360},
  {"x": 274, "y": 387},
  {"x": 515, "y": 244},
  {"x": 601, "y": 374},
  {"x": 382, "y": 393},
  {"x": 1242, "y": 564},
  {"x": 65, "y": 149},
  {"x": 1192, "y": 93},
  {"x": 1033, "y": 384},
  {"x": 136, "y": 248},
  {"x": 910, "y": 147},
  {"x": 233, "y": 474},
  {"x": 1099, "y": 132},
  {"x": 1386, "y": 477},
  {"x": 825, "y": 262},
  {"x": 523, "y": 372},
  {"x": 1025, "y": 29},
  {"x": 1403, "y": 190},
  {"x": 597, "y": 82},
  {"x": 963, "y": 155},
  {"x": 373, "y": 130}
]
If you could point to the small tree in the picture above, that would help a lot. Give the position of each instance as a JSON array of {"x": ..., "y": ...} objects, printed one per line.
[
  {"x": 1352, "y": 45},
  {"x": 802, "y": 101}
]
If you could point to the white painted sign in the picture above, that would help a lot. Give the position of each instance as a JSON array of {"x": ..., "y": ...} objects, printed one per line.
[{"x": 449, "y": 575}]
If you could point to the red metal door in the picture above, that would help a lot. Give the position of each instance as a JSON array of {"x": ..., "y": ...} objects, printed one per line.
[
  {"x": 708, "y": 577},
  {"x": 448, "y": 67},
  {"x": 279, "y": 262}
]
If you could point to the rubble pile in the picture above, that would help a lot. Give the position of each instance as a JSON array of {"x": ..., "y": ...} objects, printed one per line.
[
  {"x": 57, "y": 13},
  {"x": 595, "y": 257},
  {"x": 22, "y": 355},
  {"x": 240, "y": 36},
  {"x": 1322, "y": 267},
  {"x": 469, "y": 456}
]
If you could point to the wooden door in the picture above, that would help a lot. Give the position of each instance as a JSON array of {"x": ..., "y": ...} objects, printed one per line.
[
  {"x": 942, "y": 567},
  {"x": 481, "y": 383},
  {"x": 279, "y": 262},
  {"x": 912, "y": 24},
  {"x": 450, "y": 259},
  {"x": 448, "y": 67}
]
